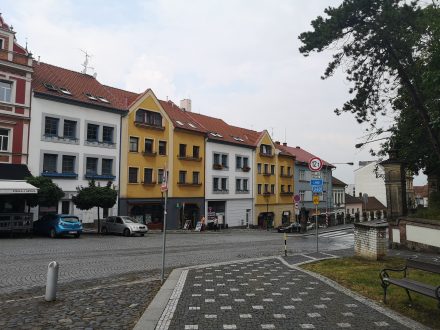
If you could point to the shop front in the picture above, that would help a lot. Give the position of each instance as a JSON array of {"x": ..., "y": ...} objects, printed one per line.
[
  {"x": 149, "y": 213},
  {"x": 216, "y": 211}
]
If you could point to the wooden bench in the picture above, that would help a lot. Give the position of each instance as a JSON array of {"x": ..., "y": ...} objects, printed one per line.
[{"x": 409, "y": 284}]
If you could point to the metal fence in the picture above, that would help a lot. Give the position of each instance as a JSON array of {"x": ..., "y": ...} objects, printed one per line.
[{"x": 16, "y": 223}]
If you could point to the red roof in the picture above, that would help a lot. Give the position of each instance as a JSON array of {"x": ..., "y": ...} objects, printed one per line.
[
  {"x": 181, "y": 118},
  {"x": 301, "y": 155},
  {"x": 78, "y": 84},
  {"x": 421, "y": 191},
  {"x": 337, "y": 182}
]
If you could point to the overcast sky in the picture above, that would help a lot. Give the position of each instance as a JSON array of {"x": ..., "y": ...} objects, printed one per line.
[{"x": 236, "y": 60}]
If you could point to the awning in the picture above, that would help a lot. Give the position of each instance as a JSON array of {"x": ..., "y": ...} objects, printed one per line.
[{"x": 16, "y": 187}]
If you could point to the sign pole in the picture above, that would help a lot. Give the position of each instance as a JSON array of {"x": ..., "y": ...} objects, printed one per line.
[
  {"x": 316, "y": 224},
  {"x": 162, "y": 277}
]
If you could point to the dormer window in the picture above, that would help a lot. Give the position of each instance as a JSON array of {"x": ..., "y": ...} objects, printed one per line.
[
  {"x": 103, "y": 99},
  {"x": 65, "y": 91},
  {"x": 91, "y": 97},
  {"x": 216, "y": 134},
  {"x": 192, "y": 125},
  {"x": 179, "y": 122},
  {"x": 50, "y": 87},
  {"x": 149, "y": 118}
]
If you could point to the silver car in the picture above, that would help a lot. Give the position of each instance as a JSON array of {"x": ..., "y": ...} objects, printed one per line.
[{"x": 124, "y": 225}]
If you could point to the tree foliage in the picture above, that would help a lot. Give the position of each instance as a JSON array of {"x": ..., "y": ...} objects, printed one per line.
[
  {"x": 49, "y": 194},
  {"x": 390, "y": 50}
]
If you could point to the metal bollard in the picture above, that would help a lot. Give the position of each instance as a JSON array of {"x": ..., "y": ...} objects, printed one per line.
[{"x": 52, "y": 279}]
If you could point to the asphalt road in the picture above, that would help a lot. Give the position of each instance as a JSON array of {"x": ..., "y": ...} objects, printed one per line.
[{"x": 23, "y": 261}]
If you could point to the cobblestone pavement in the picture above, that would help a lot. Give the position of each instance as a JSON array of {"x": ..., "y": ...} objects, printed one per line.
[
  {"x": 267, "y": 294},
  {"x": 110, "y": 303}
]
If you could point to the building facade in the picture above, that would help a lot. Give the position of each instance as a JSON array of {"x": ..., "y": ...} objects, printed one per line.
[
  {"x": 75, "y": 135},
  {"x": 369, "y": 179}
]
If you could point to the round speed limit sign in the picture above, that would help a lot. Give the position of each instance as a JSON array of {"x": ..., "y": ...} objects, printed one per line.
[{"x": 315, "y": 164}]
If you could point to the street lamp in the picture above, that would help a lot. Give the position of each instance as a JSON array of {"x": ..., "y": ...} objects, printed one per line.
[{"x": 359, "y": 145}]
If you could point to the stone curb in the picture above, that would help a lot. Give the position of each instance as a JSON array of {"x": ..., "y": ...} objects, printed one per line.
[{"x": 407, "y": 322}]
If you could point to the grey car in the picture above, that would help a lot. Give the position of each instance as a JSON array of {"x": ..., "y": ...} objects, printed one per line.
[{"x": 124, "y": 225}]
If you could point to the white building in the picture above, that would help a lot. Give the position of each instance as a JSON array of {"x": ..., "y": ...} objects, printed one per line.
[
  {"x": 369, "y": 179},
  {"x": 229, "y": 157},
  {"x": 75, "y": 129}
]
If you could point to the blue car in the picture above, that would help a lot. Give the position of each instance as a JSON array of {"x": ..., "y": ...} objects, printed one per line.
[{"x": 56, "y": 225}]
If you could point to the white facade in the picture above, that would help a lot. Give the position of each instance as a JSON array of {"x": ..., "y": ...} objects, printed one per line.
[
  {"x": 368, "y": 181},
  {"x": 229, "y": 189},
  {"x": 54, "y": 155},
  {"x": 338, "y": 199}
]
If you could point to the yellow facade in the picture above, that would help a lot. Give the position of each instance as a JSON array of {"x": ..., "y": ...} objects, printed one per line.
[
  {"x": 189, "y": 163},
  {"x": 285, "y": 179},
  {"x": 131, "y": 128}
]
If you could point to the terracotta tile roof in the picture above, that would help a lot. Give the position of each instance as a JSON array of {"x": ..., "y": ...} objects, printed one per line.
[
  {"x": 301, "y": 155},
  {"x": 337, "y": 182},
  {"x": 421, "y": 191},
  {"x": 181, "y": 118},
  {"x": 349, "y": 199},
  {"x": 373, "y": 204},
  {"x": 78, "y": 84},
  {"x": 125, "y": 97}
]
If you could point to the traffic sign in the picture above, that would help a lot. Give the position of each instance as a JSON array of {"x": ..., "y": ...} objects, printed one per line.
[
  {"x": 316, "y": 182},
  {"x": 315, "y": 164},
  {"x": 316, "y": 200},
  {"x": 316, "y": 189},
  {"x": 297, "y": 198}
]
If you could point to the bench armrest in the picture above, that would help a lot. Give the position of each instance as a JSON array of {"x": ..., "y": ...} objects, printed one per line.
[
  {"x": 437, "y": 292},
  {"x": 384, "y": 272}
]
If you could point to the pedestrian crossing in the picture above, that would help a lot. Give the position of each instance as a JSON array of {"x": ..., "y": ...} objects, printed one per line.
[{"x": 337, "y": 234}]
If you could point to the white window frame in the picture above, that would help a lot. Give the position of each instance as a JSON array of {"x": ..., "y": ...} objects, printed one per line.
[{"x": 9, "y": 137}]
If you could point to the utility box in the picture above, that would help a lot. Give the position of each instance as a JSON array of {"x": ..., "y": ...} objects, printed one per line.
[{"x": 370, "y": 239}]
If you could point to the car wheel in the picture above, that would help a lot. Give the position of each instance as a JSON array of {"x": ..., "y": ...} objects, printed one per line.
[
  {"x": 77, "y": 235},
  {"x": 127, "y": 232},
  {"x": 53, "y": 233},
  {"x": 104, "y": 230},
  {"x": 142, "y": 235}
]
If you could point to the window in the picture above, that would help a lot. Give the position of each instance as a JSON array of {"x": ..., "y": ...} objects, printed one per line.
[
  {"x": 224, "y": 184},
  {"x": 282, "y": 188},
  {"x": 238, "y": 162},
  {"x": 259, "y": 189},
  {"x": 272, "y": 189},
  {"x": 134, "y": 141},
  {"x": 245, "y": 184},
  {"x": 162, "y": 148},
  {"x": 289, "y": 188},
  {"x": 68, "y": 164},
  {"x": 217, "y": 159},
  {"x": 91, "y": 166},
  {"x": 148, "y": 146},
  {"x": 50, "y": 163},
  {"x": 107, "y": 134},
  {"x": 266, "y": 169},
  {"x": 289, "y": 171},
  {"x": 51, "y": 126},
  {"x": 215, "y": 186},
  {"x": 225, "y": 161},
  {"x": 272, "y": 169},
  {"x": 282, "y": 170},
  {"x": 65, "y": 207},
  {"x": 1, "y": 43},
  {"x": 266, "y": 188},
  {"x": 182, "y": 150},
  {"x": 133, "y": 175},
  {"x": 148, "y": 175},
  {"x": 4, "y": 139},
  {"x": 196, "y": 176},
  {"x": 352, "y": 211},
  {"x": 182, "y": 176},
  {"x": 196, "y": 151},
  {"x": 159, "y": 175},
  {"x": 107, "y": 166},
  {"x": 149, "y": 118},
  {"x": 302, "y": 175},
  {"x": 92, "y": 132},
  {"x": 5, "y": 91},
  {"x": 238, "y": 184},
  {"x": 302, "y": 194},
  {"x": 69, "y": 130},
  {"x": 266, "y": 149},
  {"x": 259, "y": 168},
  {"x": 245, "y": 162}
]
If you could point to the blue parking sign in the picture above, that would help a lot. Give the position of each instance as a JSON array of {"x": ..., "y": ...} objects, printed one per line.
[{"x": 317, "y": 189}]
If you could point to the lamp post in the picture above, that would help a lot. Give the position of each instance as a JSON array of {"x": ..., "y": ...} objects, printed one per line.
[{"x": 330, "y": 200}]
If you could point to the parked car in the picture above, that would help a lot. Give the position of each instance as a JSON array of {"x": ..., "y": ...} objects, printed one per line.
[
  {"x": 124, "y": 225},
  {"x": 56, "y": 225},
  {"x": 293, "y": 227}
]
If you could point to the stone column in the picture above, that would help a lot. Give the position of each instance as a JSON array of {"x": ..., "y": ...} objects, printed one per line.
[{"x": 395, "y": 185}]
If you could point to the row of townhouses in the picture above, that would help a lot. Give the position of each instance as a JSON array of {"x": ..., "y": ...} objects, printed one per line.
[{"x": 67, "y": 126}]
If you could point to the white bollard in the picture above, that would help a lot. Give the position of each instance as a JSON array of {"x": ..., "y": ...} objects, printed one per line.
[{"x": 52, "y": 279}]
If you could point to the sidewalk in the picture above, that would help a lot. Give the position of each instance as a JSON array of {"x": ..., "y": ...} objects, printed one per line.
[{"x": 264, "y": 293}]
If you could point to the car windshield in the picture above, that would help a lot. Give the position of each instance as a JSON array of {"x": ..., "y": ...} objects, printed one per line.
[
  {"x": 128, "y": 220},
  {"x": 70, "y": 219}
]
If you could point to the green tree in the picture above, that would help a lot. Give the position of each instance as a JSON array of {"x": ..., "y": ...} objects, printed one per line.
[
  {"x": 95, "y": 196},
  {"x": 49, "y": 194},
  {"x": 390, "y": 50}
]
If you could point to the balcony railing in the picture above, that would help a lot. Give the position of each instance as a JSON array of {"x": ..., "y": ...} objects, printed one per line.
[
  {"x": 245, "y": 168},
  {"x": 145, "y": 125},
  {"x": 100, "y": 177},
  {"x": 65, "y": 175},
  {"x": 266, "y": 154},
  {"x": 217, "y": 166},
  {"x": 190, "y": 158}
]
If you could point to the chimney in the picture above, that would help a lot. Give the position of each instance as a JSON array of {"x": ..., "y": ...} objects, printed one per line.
[
  {"x": 360, "y": 195},
  {"x": 277, "y": 142},
  {"x": 185, "y": 104},
  {"x": 285, "y": 144},
  {"x": 298, "y": 147}
]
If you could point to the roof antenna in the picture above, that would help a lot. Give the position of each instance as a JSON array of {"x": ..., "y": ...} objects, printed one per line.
[
  {"x": 86, "y": 62},
  {"x": 285, "y": 135}
]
